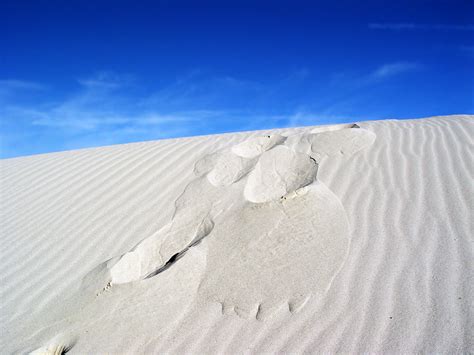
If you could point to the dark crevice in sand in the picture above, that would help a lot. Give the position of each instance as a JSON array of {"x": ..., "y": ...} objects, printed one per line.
[{"x": 175, "y": 258}]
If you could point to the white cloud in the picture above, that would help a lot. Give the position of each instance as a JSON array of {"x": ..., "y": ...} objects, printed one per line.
[
  {"x": 419, "y": 26},
  {"x": 106, "y": 80},
  {"x": 105, "y": 107},
  {"x": 11, "y": 88},
  {"x": 16, "y": 84},
  {"x": 357, "y": 80},
  {"x": 110, "y": 109},
  {"x": 392, "y": 69},
  {"x": 98, "y": 120}
]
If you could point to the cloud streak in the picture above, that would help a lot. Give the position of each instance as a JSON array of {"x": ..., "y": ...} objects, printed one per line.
[
  {"x": 392, "y": 69},
  {"x": 108, "y": 108},
  {"x": 419, "y": 26},
  {"x": 382, "y": 73},
  {"x": 12, "y": 87},
  {"x": 16, "y": 84},
  {"x": 101, "y": 103}
]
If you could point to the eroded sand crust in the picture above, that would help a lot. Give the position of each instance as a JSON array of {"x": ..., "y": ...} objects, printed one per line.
[{"x": 274, "y": 234}]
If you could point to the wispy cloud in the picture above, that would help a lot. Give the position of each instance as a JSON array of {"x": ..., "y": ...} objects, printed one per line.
[
  {"x": 392, "y": 69},
  {"x": 102, "y": 103},
  {"x": 382, "y": 73},
  {"x": 106, "y": 109},
  {"x": 404, "y": 26},
  {"x": 16, "y": 84},
  {"x": 106, "y": 80},
  {"x": 89, "y": 121},
  {"x": 202, "y": 90},
  {"x": 10, "y": 88}
]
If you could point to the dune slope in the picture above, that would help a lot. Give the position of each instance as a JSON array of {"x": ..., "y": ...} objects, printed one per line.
[{"x": 348, "y": 238}]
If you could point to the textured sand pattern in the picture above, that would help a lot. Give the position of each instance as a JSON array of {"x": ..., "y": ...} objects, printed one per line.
[{"x": 405, "y": 285}]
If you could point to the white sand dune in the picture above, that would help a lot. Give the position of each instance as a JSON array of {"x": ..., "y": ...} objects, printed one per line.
[{"x": 348, "y": 238}]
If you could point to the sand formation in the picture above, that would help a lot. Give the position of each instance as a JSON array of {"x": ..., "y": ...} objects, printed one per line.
[
  {"x": 273, "y": 233},
  {"x": 223, "y": 252},
  {"x": 256, "y": 231}
]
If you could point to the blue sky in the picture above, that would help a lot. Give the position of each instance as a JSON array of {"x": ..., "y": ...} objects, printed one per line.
[{"x": 77, "y": 74}]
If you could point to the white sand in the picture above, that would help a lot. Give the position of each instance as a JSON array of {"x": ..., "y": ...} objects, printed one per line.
[{"x": 317, "y": 239}]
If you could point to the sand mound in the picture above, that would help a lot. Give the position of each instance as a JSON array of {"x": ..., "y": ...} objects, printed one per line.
[
  {"x": 274, "y": 234},
  {"x": 331, "y": 142},
  {"x": 279, "y": 172},
  {"x": 268, "y": 255},
  {"x": 253, "y": 147}
]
